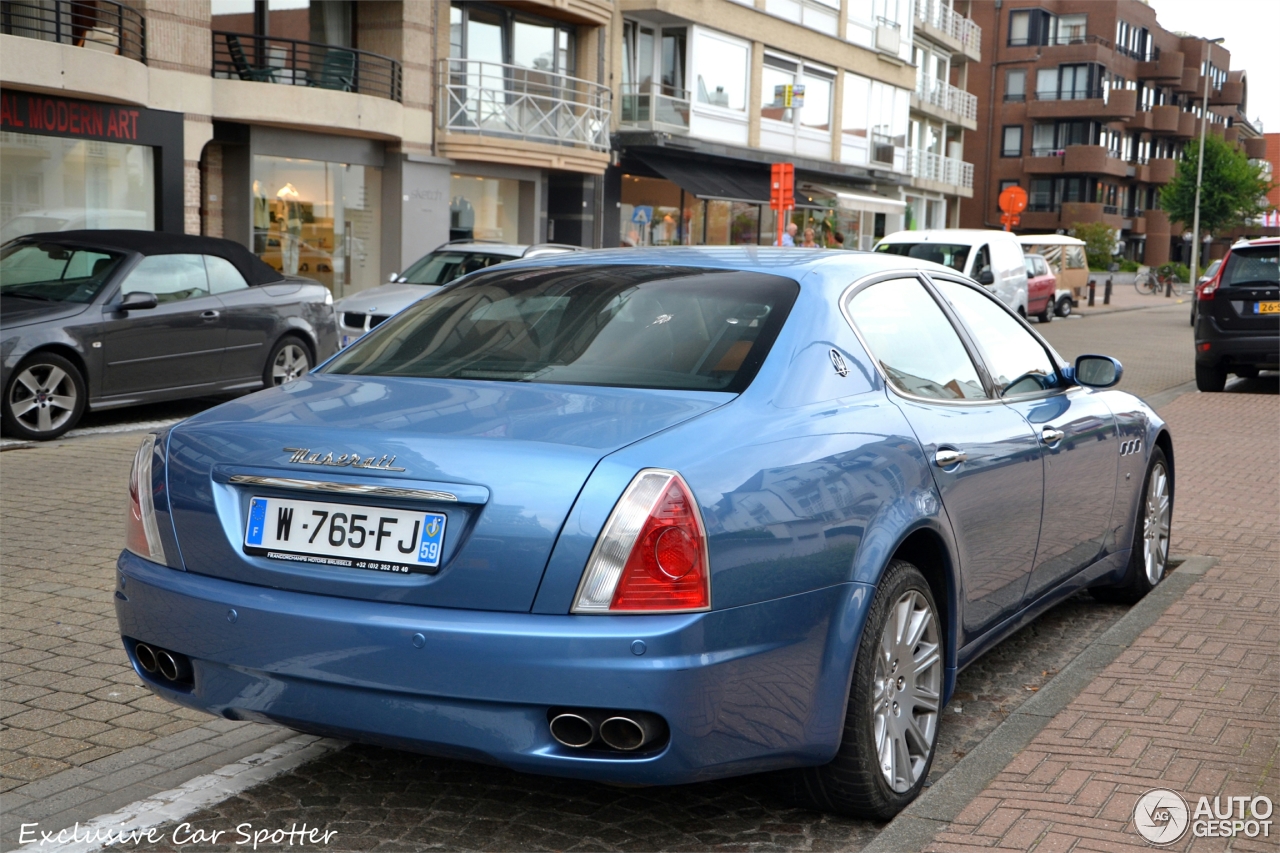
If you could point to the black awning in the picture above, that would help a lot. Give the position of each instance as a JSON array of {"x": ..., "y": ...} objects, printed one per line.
[{"x": 707, "y": 180}]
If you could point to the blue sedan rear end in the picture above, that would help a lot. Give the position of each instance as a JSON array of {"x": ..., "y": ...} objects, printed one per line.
[{"x": 620, "y": 516}]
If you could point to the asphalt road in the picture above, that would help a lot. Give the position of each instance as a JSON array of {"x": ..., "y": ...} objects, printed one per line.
[{"x": 382, "y": 799}]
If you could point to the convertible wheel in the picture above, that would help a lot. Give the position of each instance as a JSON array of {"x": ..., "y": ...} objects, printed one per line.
[
  {"x": 891, "y": 725},
  {"x": 45, "y": 398},
  {"x": 1149, "y": 559},
  {"x": 289, "y": 359}
]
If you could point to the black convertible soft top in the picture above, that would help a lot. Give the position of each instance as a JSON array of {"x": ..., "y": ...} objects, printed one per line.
[{"x": 253, "y": 268}]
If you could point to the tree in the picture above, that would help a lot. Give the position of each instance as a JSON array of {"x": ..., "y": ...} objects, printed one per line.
[
  {"x": 1229, "y": 191},
  {"x": 1099, "y": 242}
]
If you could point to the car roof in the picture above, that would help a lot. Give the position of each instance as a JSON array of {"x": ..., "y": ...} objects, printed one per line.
[
  {"x": 254, "y": 269},
  {"x": 1257, "y": 241},
  {"x": 1049, "y": 240},
  {"x": 946, "y": 235}
]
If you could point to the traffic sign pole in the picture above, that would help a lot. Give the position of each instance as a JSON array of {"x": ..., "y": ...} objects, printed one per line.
[{"x": 782, "y": 193}]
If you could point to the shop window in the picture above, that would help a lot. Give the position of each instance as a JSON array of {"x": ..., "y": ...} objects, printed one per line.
[
  {"x": 49, "y": 183},
  {"x": 1012, "y": 146},
  {"x": 652, "y": 215},
  {"x": 318, "y": 219},
  {"x": 483, "y": 208}
]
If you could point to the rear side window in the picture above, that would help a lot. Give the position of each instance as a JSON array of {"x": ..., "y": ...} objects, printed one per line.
[
  {"x": 1251, "y": 266},
  {"x": 629, "y": 327}
]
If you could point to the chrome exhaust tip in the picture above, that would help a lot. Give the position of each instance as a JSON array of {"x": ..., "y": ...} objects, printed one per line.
[
  {"x": 171, "y": 666},
  {"x": 146, "y": 657},
  {"x": 625, "y": 734},
  {"x": 573, "y": 730}
]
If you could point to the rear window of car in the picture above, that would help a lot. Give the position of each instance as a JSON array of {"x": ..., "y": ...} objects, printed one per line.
[
  {"x": 621, "y": 326},
  {"x": 952, "y": 255},
  {"x": 1252, "y": 266},
  {"x": 444, "y": 267}
]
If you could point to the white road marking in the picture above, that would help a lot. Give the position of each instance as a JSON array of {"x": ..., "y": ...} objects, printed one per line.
[
  {"x": 132, "y": 426},
  {"x": 135, "y": 819}
]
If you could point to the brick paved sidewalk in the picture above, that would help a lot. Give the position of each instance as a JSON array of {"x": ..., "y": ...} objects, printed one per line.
[{"x": 1193, "y": 704}]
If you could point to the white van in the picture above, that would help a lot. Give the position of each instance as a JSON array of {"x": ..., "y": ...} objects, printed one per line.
[{"x": 991, "y": 258}]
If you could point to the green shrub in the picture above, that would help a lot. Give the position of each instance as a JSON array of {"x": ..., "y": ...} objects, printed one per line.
[
  {"x": 1128, "y": 266},
  {"x": 1099, "y": 243}
]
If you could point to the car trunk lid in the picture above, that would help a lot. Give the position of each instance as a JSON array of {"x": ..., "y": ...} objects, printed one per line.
[{"x": 501, "y": 462}]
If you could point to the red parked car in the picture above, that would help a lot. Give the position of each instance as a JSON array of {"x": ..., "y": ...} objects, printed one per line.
[{"x": 1042, "y": 284}]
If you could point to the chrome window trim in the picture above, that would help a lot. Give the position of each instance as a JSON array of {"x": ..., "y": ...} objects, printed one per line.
[{"x": 361, "y": 489}]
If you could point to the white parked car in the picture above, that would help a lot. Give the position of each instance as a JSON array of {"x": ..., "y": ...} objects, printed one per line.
[
  {"x": 994, "y": 259},
  {"x": 360, "y": 312}
]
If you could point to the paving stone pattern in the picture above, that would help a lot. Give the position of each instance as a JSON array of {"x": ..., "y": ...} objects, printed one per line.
[{"x": 1193, "y": 704}]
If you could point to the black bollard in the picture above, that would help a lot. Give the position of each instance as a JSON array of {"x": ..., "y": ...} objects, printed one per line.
[
  {"x": 1106, "y": 292},
  {"x": 1168, "y": 286},
  {"x": 1093, "y": 286}
]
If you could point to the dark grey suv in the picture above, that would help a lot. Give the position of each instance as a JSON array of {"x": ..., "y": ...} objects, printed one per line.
[
  {"x": 1238, "y": 321},
  {"x": 102, "y": 319}
]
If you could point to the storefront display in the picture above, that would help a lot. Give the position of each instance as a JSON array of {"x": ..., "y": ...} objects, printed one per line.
[{"x": 484, "y": 208}]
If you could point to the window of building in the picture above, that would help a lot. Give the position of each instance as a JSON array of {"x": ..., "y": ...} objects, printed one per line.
[
  {"x": 777, "y": 76},
  {"x": 1070, "y": 82},
  {"x": 721, "y": 69},
  {"x": 1012, "y": 146},
  {"x": 329, "y": 22},
  {"x": 1005, "y": 184},
  {"x": 1015, "y": 84},
  {"x": 48, "y": 183},
  {"x": 1069, "y": 29},
  {"x": 1029, "y": 27},
  {"x": 795, "y": 92},
  {"x": 503, "y": 36},
  {"x": 1040, "y": 198}
]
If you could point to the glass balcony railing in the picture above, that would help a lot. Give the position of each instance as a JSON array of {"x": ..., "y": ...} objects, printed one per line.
[
  {"x": 263, "y": 59},
  {"x": 493, "y": 99},
  {"x": 650, "y": 106},
  {"x": 101, "y": 25}
]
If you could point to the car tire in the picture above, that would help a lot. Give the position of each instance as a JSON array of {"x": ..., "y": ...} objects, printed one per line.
[
  {"x": 45, "y": 397},
  {"x": 888, "y": 674},
  {"x": 290, "y": 359},
  {"x": 1149, "y": 556},
  {"x": 1063, "y": 307},
  {"x": 1046, "y": 316},
  {"x": 1210, "y": 378}
]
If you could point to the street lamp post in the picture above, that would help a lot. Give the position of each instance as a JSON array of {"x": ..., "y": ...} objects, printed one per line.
[{"x": 1204, "y": 124}]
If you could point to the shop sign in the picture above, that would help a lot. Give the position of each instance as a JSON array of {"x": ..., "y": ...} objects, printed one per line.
[{"x": 22, "y": 112}]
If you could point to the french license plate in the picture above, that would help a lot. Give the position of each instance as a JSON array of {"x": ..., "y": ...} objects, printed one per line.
[
  {"x": 332, "y": 534},
  {"x": 1269, "y": 307}
]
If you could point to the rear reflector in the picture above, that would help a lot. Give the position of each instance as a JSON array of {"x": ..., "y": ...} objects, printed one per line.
[{"x": 652, "y": 554}]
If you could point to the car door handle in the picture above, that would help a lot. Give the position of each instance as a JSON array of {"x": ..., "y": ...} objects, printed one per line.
[
  {"x": 947, "y": 458},
  {"x": 1051, "y": 435},
  {"x": 211, "y": 315}
]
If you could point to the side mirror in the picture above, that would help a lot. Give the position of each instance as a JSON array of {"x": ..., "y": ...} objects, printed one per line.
[
  {"x": 393, "y": 277},
  {"x": 1097, "y": 371},
  {"x": 138, "y": 300},
  {"x": 986, "y": 277}
]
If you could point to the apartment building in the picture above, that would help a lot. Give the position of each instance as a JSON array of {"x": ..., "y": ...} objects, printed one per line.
[
  {"x": 339, "y": 140},
  {"x": 1087, "y": 105},
  {"x": 710, "y": 92}
]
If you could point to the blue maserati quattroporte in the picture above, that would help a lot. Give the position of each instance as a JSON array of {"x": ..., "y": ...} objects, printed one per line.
[{"x": 646, "y": 517}]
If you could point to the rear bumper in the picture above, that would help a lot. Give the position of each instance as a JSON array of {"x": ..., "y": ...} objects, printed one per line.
[
  {"x": 742, "y": 690},
  {"x": 1259, "y": 350}
]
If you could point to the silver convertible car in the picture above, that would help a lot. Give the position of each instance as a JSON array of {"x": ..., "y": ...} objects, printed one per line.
[
  {"x": 646, "y": 517},
  {"x": 103, "y": 319}
]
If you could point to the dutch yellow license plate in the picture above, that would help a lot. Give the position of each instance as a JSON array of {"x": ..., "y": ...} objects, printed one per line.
[{"x": 1269, "y": 307}]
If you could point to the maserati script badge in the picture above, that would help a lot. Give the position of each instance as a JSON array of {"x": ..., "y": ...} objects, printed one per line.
[{"x": 304, "y": 456}]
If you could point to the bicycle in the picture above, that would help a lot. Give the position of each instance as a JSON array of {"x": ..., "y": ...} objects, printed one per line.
[{"x": 1150, "y": 282}]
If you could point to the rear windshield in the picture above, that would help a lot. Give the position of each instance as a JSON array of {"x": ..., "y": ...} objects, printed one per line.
[
  {"x": 630, "y": 327},
  {"x": 444, "y": 267},
  {"x": 1252, "y": 266},
  {"x": 48, "y": 272},
  {"x": 948, "y": 254}
]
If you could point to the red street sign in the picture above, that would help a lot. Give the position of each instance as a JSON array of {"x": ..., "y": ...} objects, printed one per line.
[
  {"x": 1013, "y": 200},
  {"x": 782, "y": 186}
]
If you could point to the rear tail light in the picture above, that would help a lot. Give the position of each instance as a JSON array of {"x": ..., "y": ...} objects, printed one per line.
[
  {"x": 1205, "y": 291},
  {"x": 651, "y": 556},
  {"x": 142, "y": 533}
]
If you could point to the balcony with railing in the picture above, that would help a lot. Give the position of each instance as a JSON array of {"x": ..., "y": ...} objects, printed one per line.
[
  {"x": 517, "y": 103},
  {"x": 927, "y": 166},
  {"x": 933, "y": 92},
  {"x": 935, "y": 18},
  {"x": 290, "y": 62},
  {"x": 94, "y": 24},
  {"x": 651, "y": 106}
]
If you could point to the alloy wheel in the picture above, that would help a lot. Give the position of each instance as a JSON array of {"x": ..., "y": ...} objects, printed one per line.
[
  {"x": 43, "y": 398},
  {"x": 1155, "y": 525},
  {"x": 291, "y": 362},
  {"x": 907, "y": 691}
]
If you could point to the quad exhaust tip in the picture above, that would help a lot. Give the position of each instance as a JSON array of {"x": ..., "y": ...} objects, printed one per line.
[
  {"x": 146, "y": 658},
  {"x": 621, "y": 731},
  {"x": 169, "y": 666}
]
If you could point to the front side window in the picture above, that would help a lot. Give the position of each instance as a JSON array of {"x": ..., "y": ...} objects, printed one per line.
[
  {"x": 47, "y": 272},
  {"x": 629, "y": 327},
  {"x": 953, "y": 255},
  {"x": 171, "y": 278},
  {"x": 1018, "y": 363},
  {"x": 913, "y": 342},
  {"x": 223, "y": 275}
]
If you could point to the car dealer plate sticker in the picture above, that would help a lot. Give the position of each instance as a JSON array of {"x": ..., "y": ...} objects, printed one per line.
[{"x": 358, "y": 537}]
